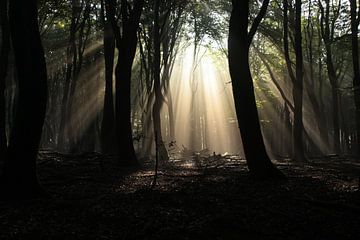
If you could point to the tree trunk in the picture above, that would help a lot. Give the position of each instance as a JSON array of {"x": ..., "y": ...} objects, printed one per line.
[
  {"x": 258, "y": 161},
  {"x": 356, "y": 67},
  {"x": 126, "y": 42},
  {"x": 171, "y": 116},
  {"x": 70, "y": 65},
  {"x": 297, "y": 79},
  {"x": 108, "y": 145},
  {"x": 298, "y": 89},
  {"x": 157, "y": 72},
  {"x": 327, "y": 30},
  {"x": 157, "y": 85},
  {"x": 311, "y": 87},
  {"x": 20, "y": 176}
]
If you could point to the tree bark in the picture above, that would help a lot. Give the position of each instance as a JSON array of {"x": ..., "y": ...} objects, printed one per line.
[
  {"x": 108, "y": 145},
  {"x": 327, "y": 36},
  {"x": 20, "y": 178},
  {"x": 296, "y": 78},
  {"x": 70, "y": 65},
  {"x": 239, "y": 41},
  {"x": 159, "y": 99},
  {"x": 126, "y": 42},
  {"x": 298, "y": 89}
]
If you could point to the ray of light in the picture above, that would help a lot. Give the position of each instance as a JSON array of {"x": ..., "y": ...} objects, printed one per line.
[{"x": 214, "y": 108}]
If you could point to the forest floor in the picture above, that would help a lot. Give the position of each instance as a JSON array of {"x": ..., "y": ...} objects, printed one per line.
[{"x": 212, "y": 198}]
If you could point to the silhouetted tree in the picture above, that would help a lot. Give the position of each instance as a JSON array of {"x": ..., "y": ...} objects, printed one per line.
[
  {"x": 157, "y": 79},
  {"x": 78, "y": 38},
  {"x": 298, "y": 88},
  {"x": 20, "y": 178},
  {"x": 311, "y": 86},
  {"x": 296, "y": 78},
  {"x": 239, "y": 41},
  {"x": 327, "y": 27},
  {"x": 126, "y": 43},
  {"x": 108, "y": 122},
  {"x": 355, "y": 19}
]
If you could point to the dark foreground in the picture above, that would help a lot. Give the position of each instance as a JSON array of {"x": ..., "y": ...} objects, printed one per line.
[{"x": 212, "y": 199}]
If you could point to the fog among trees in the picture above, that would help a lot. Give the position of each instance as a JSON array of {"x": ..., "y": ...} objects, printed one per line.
[{"x": 115, "y": 103}]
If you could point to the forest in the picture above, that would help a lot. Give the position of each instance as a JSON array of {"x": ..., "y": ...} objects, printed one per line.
[{"x": 179, "y": 119}]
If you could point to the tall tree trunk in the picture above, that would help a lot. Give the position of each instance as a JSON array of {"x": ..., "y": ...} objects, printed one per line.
[
  {"x": 20, "y": 176},
  {"x": 298, "y": 88},
  {"x": 327, "y": 30},
  {"x": 70, "y": 68},
  {"x": 126, "y": 42},
  {"x": 108, "y": 145},
  {"x": 239, "y": 41},
  {"x": 335, "y": 98},
  {"x": 157, "y": 72},
  {"x": 311, "y": 87},
  {"x": 159, "y": 99},
  {"x": 4, "y": 62},
  {"x": 296, "y": 78},
  {"x": 355, "y": 57},
  {"x": 123, "y": 110}
]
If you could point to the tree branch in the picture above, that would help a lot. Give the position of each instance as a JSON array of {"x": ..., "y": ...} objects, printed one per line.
[{"x": 258, "y": 20}]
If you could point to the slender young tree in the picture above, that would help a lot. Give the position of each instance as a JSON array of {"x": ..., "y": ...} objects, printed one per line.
[
  {"x": 157, "y": 75},
  {"x": 20, "y": 177},
  {"x": 239, "y": 42}
]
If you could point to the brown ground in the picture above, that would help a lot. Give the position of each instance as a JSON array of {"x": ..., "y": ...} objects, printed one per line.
[{"x": 211, "y": 198}]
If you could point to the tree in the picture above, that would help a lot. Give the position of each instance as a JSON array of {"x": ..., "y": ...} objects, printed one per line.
[
  {"x": 327, "y": 27},
  {"x": 160, "y": 35},
  {"x": 108, "y": 122},
  {"x": 355, "y": 19},
  {"x": 296, "y": 78},
  {"x": 157, "y": 78},
  {"x": 239, "y": 42},
  {"x": 298, "y": 88},
  {"x": 126, "y": 43},
  {"x": 78, "y": 37},
  {"x": 20, "y": 177}
]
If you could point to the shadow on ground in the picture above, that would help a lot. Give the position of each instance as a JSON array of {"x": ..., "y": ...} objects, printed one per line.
[{"x": 204, "y": 198}]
